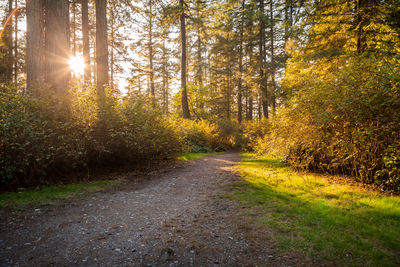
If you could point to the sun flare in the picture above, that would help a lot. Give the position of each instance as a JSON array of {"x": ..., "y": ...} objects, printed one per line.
[{"x": 77, "y": 65}]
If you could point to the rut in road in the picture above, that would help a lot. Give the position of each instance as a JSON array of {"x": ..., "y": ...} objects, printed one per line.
[{"x": 174, "y": 219}]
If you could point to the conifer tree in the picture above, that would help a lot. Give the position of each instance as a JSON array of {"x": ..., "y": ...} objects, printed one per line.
[
  {"x": 184, "y": 96},
  {"x": 101, "y": 47},
  {"x": 57, "y": 45},
  {"x": 34, "y": 44}
]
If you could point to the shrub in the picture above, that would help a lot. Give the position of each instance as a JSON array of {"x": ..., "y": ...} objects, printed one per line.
[
  {"x": 346, "y": 122},
  {"x": 34, "y": 142},
  {"x": 198, "y": 136},
  {"x": 41, "y": 142},
  {"x": 254, "y": 133},
  {"x": 206, "y": 136}
]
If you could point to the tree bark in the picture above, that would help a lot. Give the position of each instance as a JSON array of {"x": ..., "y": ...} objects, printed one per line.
[
  {"x": 9, "y": 60},
  {"x": 263, "y": 82},
  {"x": 85, "y": 40},
  {"x": 228, "y": 89},
  {"x": 34, "y": 44},
  {"x": 250, "y": 112},
  {"x": 101, "y": 48},
  {"x": 199, "y": 73},
  {"x": 151, "y": 69},
  {"x": 286, "y": 24},
  {"x": 165, "y": 78},
  {"x": 240, "y": 66},
  {"x": 272, "y": 53},
  {"x": 260, "y": 107},
  {"x": 16, "y": 46},
  {"x": 112, "y": 44},
  {"x": 73, "y": 27},
  {"x": 248, "y": 87},
  {"x": 184, "y": 98},
  {"x": 57, "y": 44}
]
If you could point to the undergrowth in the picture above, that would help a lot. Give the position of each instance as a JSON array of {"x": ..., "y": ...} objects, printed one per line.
[{"x": 43, "y": 140}]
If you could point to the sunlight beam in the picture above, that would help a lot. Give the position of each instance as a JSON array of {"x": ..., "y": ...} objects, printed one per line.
[{"x": 77, "y": 65}]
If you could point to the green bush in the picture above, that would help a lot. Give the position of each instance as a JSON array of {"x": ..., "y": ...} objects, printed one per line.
[
  {"x": 41, "y": 141},
  {"x": 345, "y": 121},
  {"x": 207, "y": 136},
  {"x": 198, "y": 136},
  {"x": 253, "y": 135}
]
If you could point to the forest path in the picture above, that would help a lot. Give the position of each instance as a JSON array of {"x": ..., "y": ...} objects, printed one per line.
[{"x": 174, "y": 219}]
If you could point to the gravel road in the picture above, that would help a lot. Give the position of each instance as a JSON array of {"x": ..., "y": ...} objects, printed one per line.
[{"x": 173, "y": 218}]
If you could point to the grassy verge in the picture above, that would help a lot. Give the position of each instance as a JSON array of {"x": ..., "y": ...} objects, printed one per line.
[
  {"x": 336, "y": 223},
  {"x": 51, "y": 194},
  {"x": 191, "y": 156}
]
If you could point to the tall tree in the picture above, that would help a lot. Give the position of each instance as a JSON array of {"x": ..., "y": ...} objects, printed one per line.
[
  {"x": 57, "y": 43},
  {"x": 101, "y": 47},
  {"x": 16, "y": 45},
  {"x": 198, "y": 19},
  {"x": 34, "y": 44},
  {"x": 250, "y": 71},
  {"x": 8, "y": 49},
  {"x": 85, "y": 40},
  {"x": 73, "y": 28},
  {"x": 112, "y": 40},
  {"x": 240, "y": 90},
  {"x": 288, "y": 23},
  {"x": 184, "y": 97},
  {"x": 262, "y": 55},
  {"x": 151, "y": 56},
  {"x": 272, "y": 55},
  {"x": 165, "y": 76}
]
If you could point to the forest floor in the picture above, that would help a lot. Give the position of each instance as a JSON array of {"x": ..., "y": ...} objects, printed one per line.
[{"x": 172, "y": 217}]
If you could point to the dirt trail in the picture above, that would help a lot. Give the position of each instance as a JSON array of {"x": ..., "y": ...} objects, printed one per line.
[{"x": 173, "y": 219}]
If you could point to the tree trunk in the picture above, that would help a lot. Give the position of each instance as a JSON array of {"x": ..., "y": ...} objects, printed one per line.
[
  {"x": 249, "y": 60},
  {"x": 228, "y": 91},
  {"x": 57, "y": 44},
  {"x": 73, "y": 27},
  {"x": 263, "y": 82},
  {"x": 260, "y": 107},
  {"x": 240, "y": 66},
  {"x": 250, "y": 112},
  {"x": 34, "y": 44},
  {"x": 112, "y": 44},
  {"x": 85, "y": 40},
  {"x": 272, "y": 53},
  {"x": 184, "y": 99},
  {"x": 286, "y": 24},
  {"x": 16, "y": 46},
  {"x": 199, "y": 73},
  {"x": 199, "y": 60},
  {"x": 9, "y": 60},
  {"x": 151, "y": 70},
  {"x": 101, "y": 48},
  {"x": 139, "y": 84},
  {"x": 165, "y": 78}
]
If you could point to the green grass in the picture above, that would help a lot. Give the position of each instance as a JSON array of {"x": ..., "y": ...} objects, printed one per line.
[
  {"x": 51, "y": 194},
  {"x": 191, "y": 156},
  {"x": 336, "y": 223}
]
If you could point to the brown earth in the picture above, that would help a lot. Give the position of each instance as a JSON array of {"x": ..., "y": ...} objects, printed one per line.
[{"x": 174, "y": 217}]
